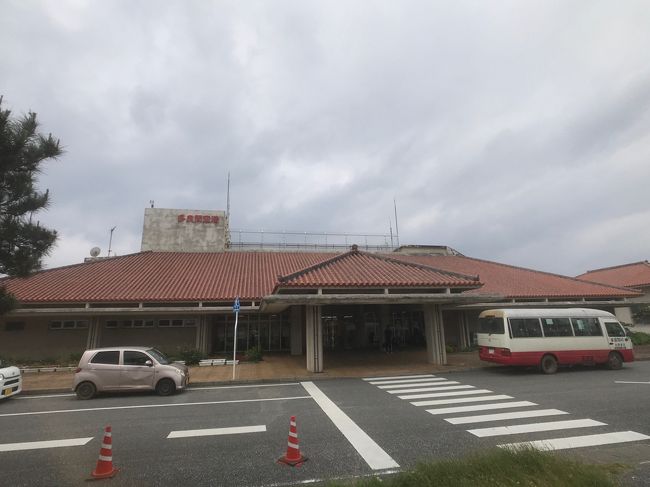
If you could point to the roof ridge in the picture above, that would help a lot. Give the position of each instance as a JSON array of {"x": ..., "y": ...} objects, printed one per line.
[
  {"x": 617, "y": 266},
  {"x": 424, "y": 266},
  {"x": 282, "y": 279}
]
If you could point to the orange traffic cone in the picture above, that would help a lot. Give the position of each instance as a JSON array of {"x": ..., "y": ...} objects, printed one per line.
[
  {"x": 293, "y": 456},
  {"x": 104, "y": 468}
]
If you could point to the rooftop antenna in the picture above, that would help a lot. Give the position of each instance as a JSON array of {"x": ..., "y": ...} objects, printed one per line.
[
  {"x": 396, "y": 227},
  {"x": 151, "y": 203},
  {"x": 390, "y": 225},
  {"x": 110, "y": 241}
]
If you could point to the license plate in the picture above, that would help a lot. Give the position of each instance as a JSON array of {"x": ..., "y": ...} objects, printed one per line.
[
  {"x": 6, "y": 392},
  {"x": 491, "y": 350}
]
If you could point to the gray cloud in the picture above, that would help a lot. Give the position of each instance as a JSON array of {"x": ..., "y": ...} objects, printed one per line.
[{"x": 515, "y": 132}]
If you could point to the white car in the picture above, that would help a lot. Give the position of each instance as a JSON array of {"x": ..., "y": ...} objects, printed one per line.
[{"x": 11, "y": 382}]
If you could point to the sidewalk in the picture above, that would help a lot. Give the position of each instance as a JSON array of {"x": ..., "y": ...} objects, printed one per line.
[{"x": 286, "y": 367}]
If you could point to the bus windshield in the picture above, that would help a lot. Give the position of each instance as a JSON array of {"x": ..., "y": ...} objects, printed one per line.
[{"x": 491, "y": 325}]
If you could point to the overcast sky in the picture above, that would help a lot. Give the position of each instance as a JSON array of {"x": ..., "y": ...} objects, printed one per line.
[{"x": 512, "y": 131}]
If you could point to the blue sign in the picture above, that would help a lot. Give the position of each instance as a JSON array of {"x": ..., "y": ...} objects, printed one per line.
[{"x": 235, "y": 307}]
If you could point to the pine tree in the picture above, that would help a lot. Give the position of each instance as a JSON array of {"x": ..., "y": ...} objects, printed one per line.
[{"x": 23, "y": 243}]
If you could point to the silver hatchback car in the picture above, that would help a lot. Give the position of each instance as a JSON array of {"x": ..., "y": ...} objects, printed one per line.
[{"x": 127, "y": 369}]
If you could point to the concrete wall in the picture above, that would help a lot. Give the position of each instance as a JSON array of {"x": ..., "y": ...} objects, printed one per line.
[
  {"x": 38, "y": 342},
  {"x": 168, "y": 340},
  {"x": 184, "y": 230}
]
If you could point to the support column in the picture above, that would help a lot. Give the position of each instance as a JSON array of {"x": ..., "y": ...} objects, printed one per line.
[
  {"x": 94, "y": 333},
  {"x": 464, "y": 331},
  {"x": 314, "y": 328},
  {"x": 202, "y": 335},
  {"x": 295, "y": 320},
  {"x": 434, "y": 333}
]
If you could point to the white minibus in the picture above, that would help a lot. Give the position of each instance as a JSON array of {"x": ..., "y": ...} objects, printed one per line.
[{"x": 550, "y": 337}]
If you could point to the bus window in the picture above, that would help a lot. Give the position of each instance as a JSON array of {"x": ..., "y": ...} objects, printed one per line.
[
  {"x": 491, "y": 325},
  {"x": 614, "y": 329},
  {"x": 557, "y": 327},
  {"x": 586, "y": 327},
  {"x": 525, "y": 327}
]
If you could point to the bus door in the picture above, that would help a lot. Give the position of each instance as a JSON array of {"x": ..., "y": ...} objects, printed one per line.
[{"x": 616, "y": 336}]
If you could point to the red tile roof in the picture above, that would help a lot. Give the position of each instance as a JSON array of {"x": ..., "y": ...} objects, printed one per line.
[
  {"x": 517, "y": 282},
  {"x": 636, "y": 274},
  {"x": 185, "y": 277},
  {"x": 361, "y": 269},
  {"x": 163, "y": 276}
]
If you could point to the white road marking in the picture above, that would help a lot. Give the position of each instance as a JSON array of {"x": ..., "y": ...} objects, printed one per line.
[
  {"x": 579, "y": 441},
  {"x": 234, "y": 430},
  {"x": 208, "y": 388},
  {"x": 405, "y": 381},
  {"x": 400, "y": 377},
  {"x": 629, "y": 382},
  {"x": 461, "y": 400},
  {"x": 36, "y": 445},
  {"x": 370, "y": 451},
  {"x": 431, "y": 383},
  {"x": 445, "y": 394},
  {"x": 481, "y": 407},
  {"x": 535, "y": 427},
  {"x": 43, "y": 397},
  {"x": 431, "y": 389},
  {"x": 144, "y": 406},
  {"x": 483, "y": 418}
]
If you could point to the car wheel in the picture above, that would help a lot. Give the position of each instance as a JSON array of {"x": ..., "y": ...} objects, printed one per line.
[
  {"x": 615, "y": 361},
  {"x": 86, "y": 390},
  {"x": 165, "y": 387},
  {"x": 549, "y": 364}
]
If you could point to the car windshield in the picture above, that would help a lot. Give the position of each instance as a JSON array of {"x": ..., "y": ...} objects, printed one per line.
[{"x": 159, "y": 356}]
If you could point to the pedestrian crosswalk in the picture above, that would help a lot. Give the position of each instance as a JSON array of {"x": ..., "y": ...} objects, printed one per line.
[{"x": 453, "y": 400}]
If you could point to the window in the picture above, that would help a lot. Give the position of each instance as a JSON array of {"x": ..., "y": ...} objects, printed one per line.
[
  {"x": 132, "y": 357},
  {"x": 111, "y": 357},
  {"x": 68, "y": 324},
  {"x": 557, "y": 327},
  {"x": 163, "y": 323},
  {"x": 525, "y": 327},
  {"x": 586, "y": 327},
  {"x": 111, "y": 324},
  {"x": 491, "y": 324},
  {"x": 14, "y": 326},
  {"x": 614, "y": 329},
  {"x": 177, "y": 323}
]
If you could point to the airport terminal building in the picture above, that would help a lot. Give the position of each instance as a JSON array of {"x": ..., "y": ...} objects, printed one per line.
[{"x": 177, "y": 293}]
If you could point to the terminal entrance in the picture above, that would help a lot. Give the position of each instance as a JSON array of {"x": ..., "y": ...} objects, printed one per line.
[{"x": 385, "y": 328}]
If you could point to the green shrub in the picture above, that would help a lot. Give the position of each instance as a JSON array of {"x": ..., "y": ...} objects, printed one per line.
[
  {"x": 450, "y": 348},
  {"x": 640, "y": 338},
  {"x": 73, "y": 358},
  {"x": 254, "y": 354},
  {"x": 189, "y": 356}
]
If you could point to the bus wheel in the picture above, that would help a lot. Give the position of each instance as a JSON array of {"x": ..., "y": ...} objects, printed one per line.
[
  {"x": 615, "y": 361},
  {"x": 549, "y": 364}
]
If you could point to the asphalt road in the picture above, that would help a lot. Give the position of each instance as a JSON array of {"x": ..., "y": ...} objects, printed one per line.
[{"x": 346, "y": 427}]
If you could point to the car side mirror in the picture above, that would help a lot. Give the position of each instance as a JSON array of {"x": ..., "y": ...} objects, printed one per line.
[{"x": 149, "y": 363}]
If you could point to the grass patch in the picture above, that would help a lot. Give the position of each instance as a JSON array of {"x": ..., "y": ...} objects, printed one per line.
[{"x": 498, "y": 467}]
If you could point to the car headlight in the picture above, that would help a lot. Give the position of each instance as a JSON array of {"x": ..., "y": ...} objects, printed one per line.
[
  {"x": 2, "y": 377},
  {"x": 180, "y": 372}
]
